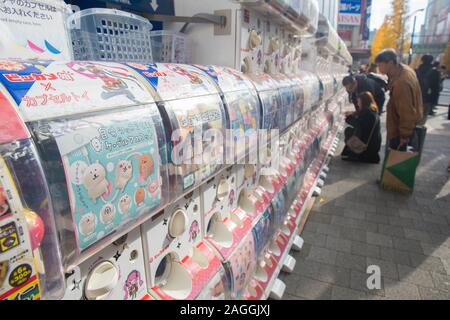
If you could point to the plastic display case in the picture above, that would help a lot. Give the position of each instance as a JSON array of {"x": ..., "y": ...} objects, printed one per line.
[
  {"x": 311, "y": 90},
  {"x": 110, "y": 35},
  {"x": 270, "y": 100},
  {"x": 264, "y": 230},
  {"x": 102, "y": 142},
  {"x": 169, "y": 47},
  {"x": 195, "y": 115},
  {"x": 30, "y": 261},
  {"x": 242, "y": 108},
  {"x": 286, "y": 89}
]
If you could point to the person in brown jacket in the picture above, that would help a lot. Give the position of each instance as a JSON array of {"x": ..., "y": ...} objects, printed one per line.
[{"x": 405, "y": 106}]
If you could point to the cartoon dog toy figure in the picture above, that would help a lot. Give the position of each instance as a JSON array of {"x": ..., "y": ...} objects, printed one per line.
[
  {"x": 87, "y": 224},
  {"x": 107, "y": 213},
  {"x": 124, "y": 172},
  {"x": 125, "y": 204},
  {"x": 94, "y": 180},
  {"x": 146, "y": 167},
  {"x": 139, "y": 196}
]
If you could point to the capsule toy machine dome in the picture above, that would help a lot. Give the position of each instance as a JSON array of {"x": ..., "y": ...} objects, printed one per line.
[
  {"x": 288, "y": 100},
  {"x": 30, "y": 261},
  {"x": 101, "y": 139},
  {"x": 326, "y": 79},
  {"x": 195, "y": 121},
  {"x": 299, "y": 94},
  {"x": 178, "y": 263},
  {"x": 270, "y": 100},
  {"x": 312, "y": 90},
  {"x": 242, "y": 108}
]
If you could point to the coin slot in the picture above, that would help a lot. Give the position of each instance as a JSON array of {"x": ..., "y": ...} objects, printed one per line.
[
  {"x": 101, "y": 281},
  {"x": 133, "y": 256},
  {"x": 223, "y": 189},
  {"x": 244, "y": 201},
  {"x": 172, "y": 278},
  {"x": 177, "y": 223},
  {"x": 217, "y": 230}
]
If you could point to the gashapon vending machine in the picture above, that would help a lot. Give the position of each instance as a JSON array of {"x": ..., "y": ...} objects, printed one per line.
[
  {"x": 30, "y": 261},
  {"x": 179, "y": 264},
  {"x": 102, "y": 143}
]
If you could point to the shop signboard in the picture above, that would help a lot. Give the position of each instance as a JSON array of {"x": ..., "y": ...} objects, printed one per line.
[{"x": 350, "y": 12}]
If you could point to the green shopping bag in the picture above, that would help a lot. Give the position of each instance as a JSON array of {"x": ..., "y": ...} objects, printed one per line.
[{"x": 399, "y": 171}]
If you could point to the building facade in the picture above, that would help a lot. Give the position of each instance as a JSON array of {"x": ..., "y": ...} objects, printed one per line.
[
  {"x": 435, "y": 32},
  {"x": 330, "y": 10}
]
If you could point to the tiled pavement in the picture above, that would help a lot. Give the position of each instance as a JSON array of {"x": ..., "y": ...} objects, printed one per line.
[{"x": 355, "y": 224}]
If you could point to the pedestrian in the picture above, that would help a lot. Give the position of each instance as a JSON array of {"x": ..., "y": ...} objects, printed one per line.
[
  {"x": 429, "y": 80},
  {"x": 448, "y": 116},
  {"x": 357, "y": 84},
  {"x": 365, "y": 124},
  {"x": 405, "y": 106},
  {"x": 363, "y": 69}
]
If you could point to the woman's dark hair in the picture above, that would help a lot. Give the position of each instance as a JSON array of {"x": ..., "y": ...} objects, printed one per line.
[
  {"x": 348, "y": 80},
  {"x": 367, "y": 101},
  {"x": 387, "y": 56},
  {"x": 427, "y": 59}
]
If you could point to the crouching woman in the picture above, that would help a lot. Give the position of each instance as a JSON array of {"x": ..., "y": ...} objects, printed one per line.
[{"x": 364, "y": 125}]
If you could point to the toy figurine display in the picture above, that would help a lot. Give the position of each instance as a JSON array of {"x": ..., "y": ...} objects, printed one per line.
[{"x": 130, "y": 181}]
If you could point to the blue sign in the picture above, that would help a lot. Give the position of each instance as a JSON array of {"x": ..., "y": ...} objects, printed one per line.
[
  {"x": 350, "y": 7},
  {"x": 366, "y": 24}
]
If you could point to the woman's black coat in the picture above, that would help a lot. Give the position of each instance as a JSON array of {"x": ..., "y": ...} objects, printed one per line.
[{"x": 362, "y": 124}]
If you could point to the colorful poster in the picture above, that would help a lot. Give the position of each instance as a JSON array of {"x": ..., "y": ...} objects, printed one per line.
[
  {"x": 112, "y": 167},
  {"x": 34, "y": 29},
  {"x": 175, "y": 81},
  {"x": 270, "y": 101},
  {"x": 243, "y": 265},
  {"x": 217, "y": 287},
  {"x": 227, "y": 79},
  {"x": 243, "y": 113},
  {"x": 18, "y": 275},
  {"x": 190, "y": 116},
  {"x": 45, "y": 89},
  {"x": 11, "y": 125}
]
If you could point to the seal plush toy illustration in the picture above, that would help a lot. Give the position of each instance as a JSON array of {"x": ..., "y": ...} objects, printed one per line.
[
  {"x": 146, "y": 167},
  {"x": 139, "y": 196},
  {"x": 94, "y": 180},
  {"x": 124, "y": 172},
  {"x": 87, "y": 224},
  {"x": 125, "y": 204},
  {"x": 107, "y": 213}
]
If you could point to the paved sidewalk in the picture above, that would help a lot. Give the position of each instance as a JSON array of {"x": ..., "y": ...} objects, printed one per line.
[{"x": 355, "y": 224}]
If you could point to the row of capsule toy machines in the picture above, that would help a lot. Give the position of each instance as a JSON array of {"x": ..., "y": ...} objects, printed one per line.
[{"x": 131, "y": 181}]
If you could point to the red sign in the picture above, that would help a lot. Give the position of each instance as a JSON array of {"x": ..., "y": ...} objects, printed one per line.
[
  {"x": 11, "y": 125},
  {"x": 345, "y": 34},
  {"x": 349, "y": 19}
]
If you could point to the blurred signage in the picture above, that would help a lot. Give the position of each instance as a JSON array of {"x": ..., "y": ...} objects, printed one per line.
[
  {"x": 366, "y": 23},
  {"x": 350, "y": 12},
  {"x": 345, "y": 34}
]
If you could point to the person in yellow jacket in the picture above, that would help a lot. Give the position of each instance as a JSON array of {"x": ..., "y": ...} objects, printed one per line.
[{"x": 405, "y": 106}]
